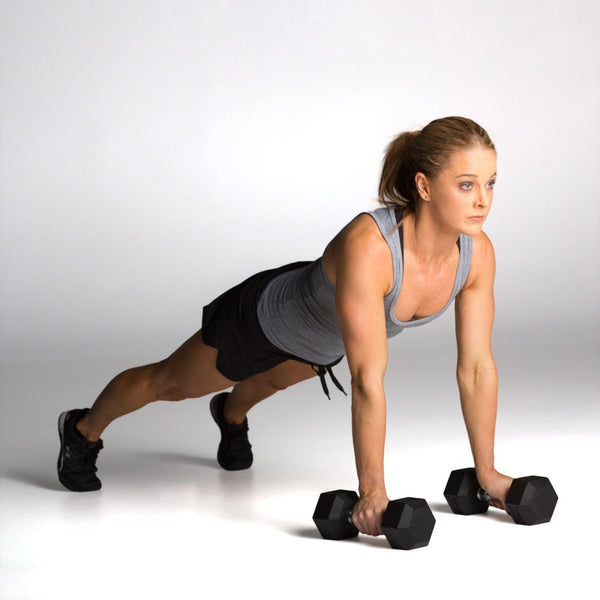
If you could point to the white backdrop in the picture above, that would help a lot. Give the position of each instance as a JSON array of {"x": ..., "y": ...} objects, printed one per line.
[{"x": 153, "y": 153}]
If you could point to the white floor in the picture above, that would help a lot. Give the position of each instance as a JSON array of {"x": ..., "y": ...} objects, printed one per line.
[{"x": 169, "y": 523}]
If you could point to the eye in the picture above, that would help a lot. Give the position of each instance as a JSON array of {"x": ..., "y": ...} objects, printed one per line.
[
  {"x": 491, "y": 184},
  {"x": 466, "y": 185}
]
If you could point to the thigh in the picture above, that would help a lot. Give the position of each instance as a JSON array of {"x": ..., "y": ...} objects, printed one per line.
[
  {"x": 191, "y": 371},
  {"x": 284, "y": 375}
]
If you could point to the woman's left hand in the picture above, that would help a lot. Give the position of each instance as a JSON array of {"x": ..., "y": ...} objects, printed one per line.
[{"x": 496, "y": 485}]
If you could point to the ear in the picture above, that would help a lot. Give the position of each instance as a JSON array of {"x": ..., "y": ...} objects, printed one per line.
[{"x": 422, "y": 185}]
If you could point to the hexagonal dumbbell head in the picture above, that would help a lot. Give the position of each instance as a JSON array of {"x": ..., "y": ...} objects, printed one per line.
[
  {"x": 408, "y": 523},
  {"x": 461, "y": 493},
  {"x": 332, "y": 514},
  {"x": 531, "y": 500}
]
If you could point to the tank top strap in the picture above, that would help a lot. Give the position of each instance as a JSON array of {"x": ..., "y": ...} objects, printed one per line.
[{"x": 464, "y": 262}]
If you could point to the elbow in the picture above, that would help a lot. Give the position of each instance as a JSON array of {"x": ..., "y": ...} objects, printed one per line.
[
  {"x": 469, "y": 375},
  {"x": 363, "y": 387}
]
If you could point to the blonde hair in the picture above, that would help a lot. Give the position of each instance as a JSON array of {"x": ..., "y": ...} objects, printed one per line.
[{"x": 425, "y": 151}]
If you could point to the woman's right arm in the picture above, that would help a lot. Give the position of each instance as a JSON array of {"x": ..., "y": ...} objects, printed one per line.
[{"x": 363, "y": 271}]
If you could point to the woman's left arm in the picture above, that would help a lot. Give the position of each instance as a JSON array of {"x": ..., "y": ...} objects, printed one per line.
[{"x": 476, "y": 369}]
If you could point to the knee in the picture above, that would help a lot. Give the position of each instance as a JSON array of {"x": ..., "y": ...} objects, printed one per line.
[
  {"x": 165, "y": 385},
  {"x": 274, "y": 384},
  {"x": 172, "y": 394}
]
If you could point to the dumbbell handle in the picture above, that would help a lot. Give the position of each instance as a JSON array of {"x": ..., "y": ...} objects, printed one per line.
[
  {"x": 348, "y": 515},
  {"x": 484, "y": 496}
]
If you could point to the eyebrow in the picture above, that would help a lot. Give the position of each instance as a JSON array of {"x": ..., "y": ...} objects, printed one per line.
[{"x": 473, "y": 175}]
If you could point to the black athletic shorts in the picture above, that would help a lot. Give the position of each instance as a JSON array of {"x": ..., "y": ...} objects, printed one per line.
[{"x": 230, "y": 324}]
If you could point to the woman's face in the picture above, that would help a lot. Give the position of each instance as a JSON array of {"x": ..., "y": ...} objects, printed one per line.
[{"x": 461, "y": 195}]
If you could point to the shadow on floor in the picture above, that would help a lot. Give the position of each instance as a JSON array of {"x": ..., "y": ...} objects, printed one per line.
[
  {"x": 440, "y": 507},
  {"x": 495, "y": 514},
  {"x": 313, "y": 534},
  {"x": 126, "y": 460},
  {"x": 181, "y": 458},
  {"x": 40, "y": 480}
]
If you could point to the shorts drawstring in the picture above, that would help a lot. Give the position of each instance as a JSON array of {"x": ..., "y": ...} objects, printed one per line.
[{"x": 321, "y": 371}]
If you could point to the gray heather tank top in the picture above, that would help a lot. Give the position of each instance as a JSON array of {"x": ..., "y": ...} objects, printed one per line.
[{"x": 297, "y": 309}]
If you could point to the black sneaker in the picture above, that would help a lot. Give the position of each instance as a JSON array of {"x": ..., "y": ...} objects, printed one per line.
[
  {"x": 77, "y": 457},
  {"x": 235, "y": 450}
]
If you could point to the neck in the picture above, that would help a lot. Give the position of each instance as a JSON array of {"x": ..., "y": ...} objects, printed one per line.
[{"x": 428, "y": 239}]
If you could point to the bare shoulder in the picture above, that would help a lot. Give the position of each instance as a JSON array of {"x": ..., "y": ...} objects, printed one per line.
[
  {"x": 359, "y": 244},
  {"x": 483, "y": 261},
  {"x": 363, "y": 234}
]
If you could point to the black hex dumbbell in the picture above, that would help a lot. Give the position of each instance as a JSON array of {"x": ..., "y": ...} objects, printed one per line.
[
  {"x": 407, "y": 523},
  {"x": 530, "y": 500}
]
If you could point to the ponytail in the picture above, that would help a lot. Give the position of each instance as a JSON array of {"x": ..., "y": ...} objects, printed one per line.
[
  {"x": 426, "y": 151},
  {"x": 397, "y": 183}
]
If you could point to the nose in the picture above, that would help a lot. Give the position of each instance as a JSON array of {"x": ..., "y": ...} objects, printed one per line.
[{"x": 484, "y": 198}]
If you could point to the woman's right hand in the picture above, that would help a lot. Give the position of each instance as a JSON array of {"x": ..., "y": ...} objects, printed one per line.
[
  {"x": 496, "y": 485},
  {"x": 368, "y": 512}
]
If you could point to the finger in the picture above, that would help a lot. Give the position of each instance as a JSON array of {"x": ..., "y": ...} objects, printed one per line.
[
  {"x": 364, "y": 527},
  {"x": 373, "y": 529},
  {"x": 370, "y": 531}
]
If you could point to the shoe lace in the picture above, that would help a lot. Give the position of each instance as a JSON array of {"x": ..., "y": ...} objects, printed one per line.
[
  {"x": 90, "y": 457},
  {"x": 237, "y": 437},
  {"x": 87, "y": 458}
]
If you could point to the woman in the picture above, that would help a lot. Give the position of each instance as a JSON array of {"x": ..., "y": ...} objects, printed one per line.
[{"x": 395, "y": 267}]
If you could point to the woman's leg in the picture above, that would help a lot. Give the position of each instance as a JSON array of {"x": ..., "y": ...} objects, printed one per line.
[
  {"x": 190, "y": 372},
  {"x": 229, "y": 410},
  {"x": 253, "y": 390}
]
